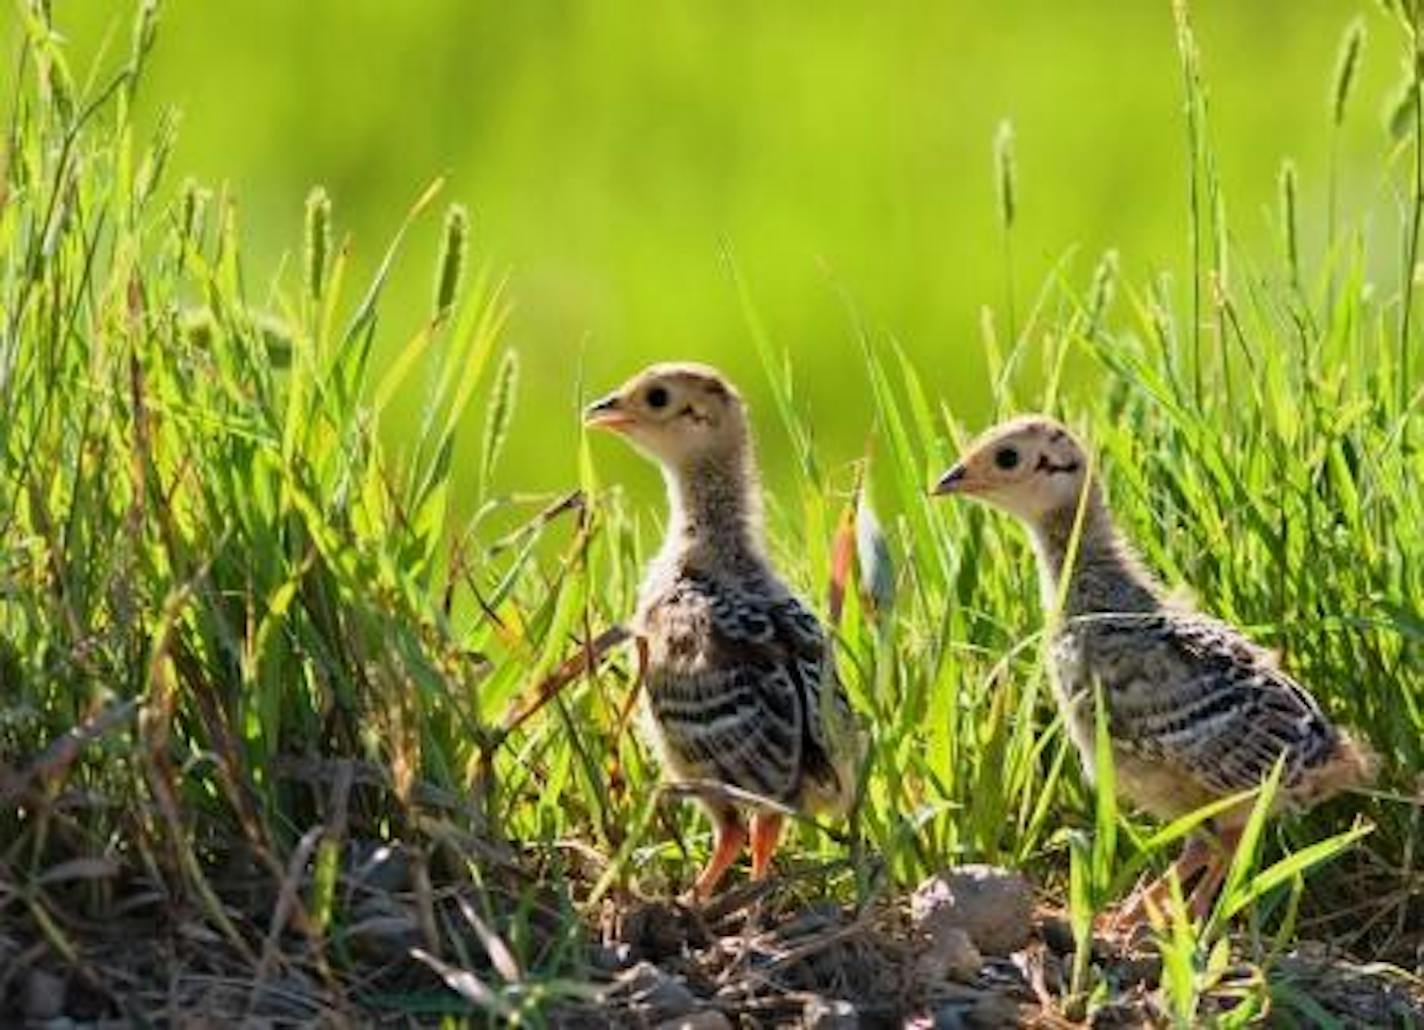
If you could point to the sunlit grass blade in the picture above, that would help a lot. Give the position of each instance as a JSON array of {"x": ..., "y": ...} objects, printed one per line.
[{"x": 1285, "y": 870}]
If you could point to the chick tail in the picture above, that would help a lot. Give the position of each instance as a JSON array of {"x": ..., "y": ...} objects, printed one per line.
[
  {"x": 830, "y": 795},
  {"x": 1351, "y": 764},
  {"x": 830, "y": 786}
]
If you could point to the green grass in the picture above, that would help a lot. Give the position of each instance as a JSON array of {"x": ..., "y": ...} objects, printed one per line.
[
  {"x": 604, "y": 153},
  {"x": 219, "y": 576}
]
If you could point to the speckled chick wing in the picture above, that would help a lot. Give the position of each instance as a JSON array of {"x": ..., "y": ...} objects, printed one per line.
[
  {"x": 737, "y": 674},
  {"x": 1195, "y": 712}
]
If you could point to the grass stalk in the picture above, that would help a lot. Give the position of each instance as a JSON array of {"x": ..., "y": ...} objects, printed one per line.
[
  {"x": 1416, "y": 207},
  {"x": 1187, "y": 55},
  {"x": 1006, "y": 183},
  {"x": 1346, "y": 68}
]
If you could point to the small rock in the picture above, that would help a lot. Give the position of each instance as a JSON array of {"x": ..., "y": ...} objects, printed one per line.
[
  {"x": 670, "y": 998},
  {"x": 994, "y": 1012},
  {"x": 1057, "y": 933},
  {"x": 704, "y": 1019},
  {"x": 829, "y": 1014},
  {"x": 994, "y": 906},
  {"x": 656, "y": 994},
  {"x": 951, "y": 955},
  {"x": 642, "y": 977},
  {"x": 383, "y": 928},
  {"x": 1122, "y": 1014},
  {"x": 1141, "y": 968},
  {"x": 656, "y": 930},
  {"x": 610, "y": 958},
  {"x": 381, "y": 866},
  {"x": 43, "y": 996},
  {"x": 814, "y": 919}
]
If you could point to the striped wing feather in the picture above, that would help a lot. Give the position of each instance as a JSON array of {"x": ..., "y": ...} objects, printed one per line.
[
  {"x": 1190, "y": 692},
  {"x": 735, "y": 678}
]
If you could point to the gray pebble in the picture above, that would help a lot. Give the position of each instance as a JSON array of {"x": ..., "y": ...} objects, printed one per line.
[
  {"x": 994, "y": 906},
  {"x": 830, "y": 1014}
]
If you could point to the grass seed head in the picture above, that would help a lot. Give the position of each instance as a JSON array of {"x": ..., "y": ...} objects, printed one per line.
[
  {"x": 1004, "y": 172},
  {"x": 501, "y": 410},
  {"x": 318, "y": 240},
  {"x": 452, "y": 258},
  {"x": 1289, "y": 220},
  {"x": 192, "y": 205},
  {"x": 1101, "y": 293},
  {"x": 1403, "y": 100},
  {"x": 144, "y": 31},
  {"x": 1346, "y": 67}
]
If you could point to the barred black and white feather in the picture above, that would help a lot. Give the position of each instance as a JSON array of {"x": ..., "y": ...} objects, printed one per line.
[
  {"x": 1195, "y": 711},
  {"x": 740, "y": 687}
]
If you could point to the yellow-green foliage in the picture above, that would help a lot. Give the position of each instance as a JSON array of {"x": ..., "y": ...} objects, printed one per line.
[{"x": 221, "y": 554}]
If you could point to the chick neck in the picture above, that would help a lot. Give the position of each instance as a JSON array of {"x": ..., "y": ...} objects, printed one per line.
[
  {"x": 1105, "y": 577},
  {"x": 714, "y": 503}
]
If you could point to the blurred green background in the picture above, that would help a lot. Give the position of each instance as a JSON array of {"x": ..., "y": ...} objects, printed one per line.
[{"x": 606, "y": 151}]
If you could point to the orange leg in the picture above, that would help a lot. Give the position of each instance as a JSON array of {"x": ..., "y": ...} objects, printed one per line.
[
  {"x": 1199, "y": 904},
  {"x": 1196, "y": 856},
  {"x": 766, "y": 834},
  {"x": 730, "y": 838}
]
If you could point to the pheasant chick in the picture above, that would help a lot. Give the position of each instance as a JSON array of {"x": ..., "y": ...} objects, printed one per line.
[
  {"x": 1195, "y": 711},
  {"x": 741, "y": 691}
]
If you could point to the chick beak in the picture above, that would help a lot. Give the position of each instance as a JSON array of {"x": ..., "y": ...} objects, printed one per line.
[
  {"x": 608, "y": 413},
  {"x": 952, "y": 482}
]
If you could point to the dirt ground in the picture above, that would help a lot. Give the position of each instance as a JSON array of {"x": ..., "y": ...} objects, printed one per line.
[
  {"x": 974, "y": 948},
  {"x": 743, "y": 964}
]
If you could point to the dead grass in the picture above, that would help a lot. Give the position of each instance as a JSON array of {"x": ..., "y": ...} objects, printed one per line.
[{"x": 103, "y": 941}]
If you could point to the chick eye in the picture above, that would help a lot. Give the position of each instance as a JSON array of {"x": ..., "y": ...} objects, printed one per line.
[
  {"x": 657, "y": 397},
  {"x": 1006, "y": 458}
]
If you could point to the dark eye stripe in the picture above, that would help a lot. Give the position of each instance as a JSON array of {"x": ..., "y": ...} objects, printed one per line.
[{"x": 1044, "y": 465}]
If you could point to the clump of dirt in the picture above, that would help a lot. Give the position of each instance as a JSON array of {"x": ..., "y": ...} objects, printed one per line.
[
  {"x": 972, "y": 948},
  {"x": 747, "y": 962},
  {"x": 753, "y": 958}
]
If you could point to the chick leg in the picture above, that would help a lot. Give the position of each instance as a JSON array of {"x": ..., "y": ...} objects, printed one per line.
[
  {"x": 766, "y": 834},
  {"x": 731, "y": 836},
  {"x": 1196, "y": 856},
  {"x": 1204, "y": 894}
]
